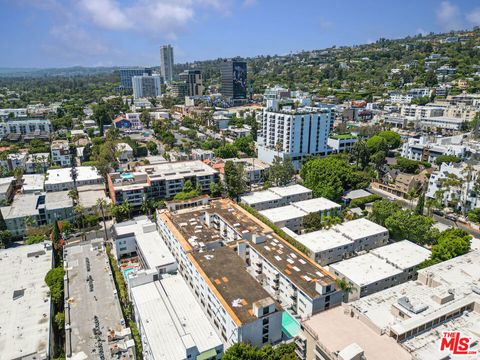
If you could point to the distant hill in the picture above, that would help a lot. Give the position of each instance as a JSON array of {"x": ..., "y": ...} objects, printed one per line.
[{"x": 52, "y": 72}]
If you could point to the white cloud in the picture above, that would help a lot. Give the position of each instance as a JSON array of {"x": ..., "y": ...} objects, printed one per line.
[
  {"x": 449, "y": 16},
  {"x": 105, "y": 13},
  {"x": 325, "y": 24},
  {"x": 474, "y": 17}
]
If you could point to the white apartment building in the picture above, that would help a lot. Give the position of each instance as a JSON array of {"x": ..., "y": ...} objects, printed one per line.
[
  {"x": 381, "y": 268},
  {"x": 341, "y": 143},
  {"x": 291, "y": 216},
  {"x": 61, "y": 179},
  {"x": 60, "y": 151},
  {"x": 406, "y": 321},
  {"x": 343, "y": 241},
  {"x": 124, "y": 152},
  {"x": 418, "y": 111},
  {"x": 295, "y": 133},
  {"x": 6, "y": 113},
  {"x": 139, "y": 236},
  {"x": 26, "y": 312},
  {"x": 171, "y": 322},
  {"x": 423, "y": 150},
  {"x": 146, "y": 86},
  {"x": 459, "y": 192},
  {"x": 276, "y": 197},
  {"x": 444, "y": 123},
  {"x": 300, "y": 285},
  {"x": 27, "y": 128}
]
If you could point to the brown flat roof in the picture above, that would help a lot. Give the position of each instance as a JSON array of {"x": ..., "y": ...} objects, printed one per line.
[{"x": 236, "y": 289}]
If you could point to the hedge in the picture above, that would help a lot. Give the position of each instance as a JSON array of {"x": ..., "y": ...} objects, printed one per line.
[{"x": 299, "y": 246}]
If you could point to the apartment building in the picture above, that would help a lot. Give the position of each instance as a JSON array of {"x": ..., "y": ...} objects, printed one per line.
[
  {"x": 341, "y": 142},
  {"x": 7, "y": 188},
  {"x": 140, "y": 237},
  {"x": 13, "y": 113},
  {"x": 126, "y": 75},
  {"x": 166, "y": 63},
  {"x": 296, "y": 133},
  {"x": 418, "y": 111},
  {"x": 171, "y": 322},
  {"x": 60, "y": 151},
  {"x": 443, "y": 123},
  {"x": 300, "y": 285},
  {"x": 381, "y": 268},
  {"x": 26, "y": 312},
  {"x": 423, "y": 150},
  {"x": 406, "y": 321},
  {"x": 276, "y": 197},
  {"x": 159, "y": 181},
  {"x": 343, "y": 241},
  {"x": 124, "y": 152},
  {"x": 459, "y": 192},
  {"x": 194, "y": 81},
  {"x": 26, "y": 128},
  {"x": 146, "y": 86},
  {"x": 36, "y": 209},
  {"x": 291, "y": 216},
  {"x": 94, "y": 322},
  {"x": 61, "y": 179}
]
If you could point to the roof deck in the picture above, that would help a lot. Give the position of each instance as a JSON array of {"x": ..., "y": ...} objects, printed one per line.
[{"x": 227, "y": 274}]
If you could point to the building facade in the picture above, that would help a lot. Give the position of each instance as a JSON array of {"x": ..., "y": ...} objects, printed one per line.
[
  {"x": 146, "y": 86},
  {"x": 233, "y": 77},
  {"x": 166, "y": 63},
  {"x": 296, "y": 133},
  {"x": 194, "y": 81},
  {"x": 126, "y": 75}
]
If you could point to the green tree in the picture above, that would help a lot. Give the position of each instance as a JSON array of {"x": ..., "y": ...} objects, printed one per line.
[
  {"x": 360, "y": 153},
  {"x": 330, "y": 176},
  {"x": 281, "y": 171},
  {"x": 246, "y": 145},
  {"x": 446, "y": 159},
  {"x": 145, "y": 118},
  {"x": 407, "y": 165},
  {"x": 227, "y": 151},
  {"x": 54, "y": 280},
  {"x": 451, "y": 243},
  {"x": 216, "y": 189},
  {"x": 376, "y": 143},
  {"x": 382, "y": 209},
  {"x": 234, "y": 179},
  {"x": 406, "y": 225},
  {"x": 152, "y": 147},
  {"x": 379, "y": 160},
  {"x": 420, "y": 204},
  {"x": 392, "y": 138}
]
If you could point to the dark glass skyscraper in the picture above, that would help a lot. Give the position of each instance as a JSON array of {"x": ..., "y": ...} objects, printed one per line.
[{"x": 234, "y": 79}]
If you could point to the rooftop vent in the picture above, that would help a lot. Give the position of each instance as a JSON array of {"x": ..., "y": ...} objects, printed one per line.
[{"x": 17, "y": 294}]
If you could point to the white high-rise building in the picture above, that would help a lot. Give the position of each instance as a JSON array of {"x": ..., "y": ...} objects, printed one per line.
[
  {"x": 294, "y": 132},
  {"x": 166, "y": 63},
  {"x": 146, "y": 86}
]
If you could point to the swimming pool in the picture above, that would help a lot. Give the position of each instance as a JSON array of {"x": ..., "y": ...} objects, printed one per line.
[
  {"x": 126, "y": 176},
  {"x": 126, "y": 271},
  {"x": 290, "y": 326}
]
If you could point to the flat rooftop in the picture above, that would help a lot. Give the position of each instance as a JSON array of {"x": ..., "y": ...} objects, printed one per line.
[
  {"x": 316, "y": 205},
  {"x": 89, "y": 198},
  {"x": 226, "y": 274},
  {"x": 23, "y": 205},
  {"x": 356, "y": 194},
  {"x": 360, "y": 228},
  {"x": 365, "y": 269},
  {"x": 260, "y": 197},
  {"x": 323, "y": 240},
  {"x": 58, "y": 200},
  {"x": 289, "y": 190},
  {"x": 283, "y": 213},
  {"x": 33, "y": 182},
  {"x": 64, "y": 175},
  {"x": 87, "y": 303},
  {"x": 299, "y": 268},
  {"x": 459, "y": 275},
  {"x": 25, "y": 301},
  {"x": 176, "y": 170},
  {"x": 402, "y": 254},
  {"x": 172, "y": 319},
  {"x": 149, "y": 242},
  {"x": 344, "y": 330}
]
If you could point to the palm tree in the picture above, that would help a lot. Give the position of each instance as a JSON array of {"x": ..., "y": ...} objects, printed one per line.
[
  {"x": 73, "y": 194},
  {"x": 346, "y": 287},
  {"x": 127, "y": 209},
  {"x": 102, "y": 204},
  {"x": 78, "y": 210}
]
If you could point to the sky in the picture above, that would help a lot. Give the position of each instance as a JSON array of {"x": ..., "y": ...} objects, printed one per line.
[{"x": 60, "y": 33}]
